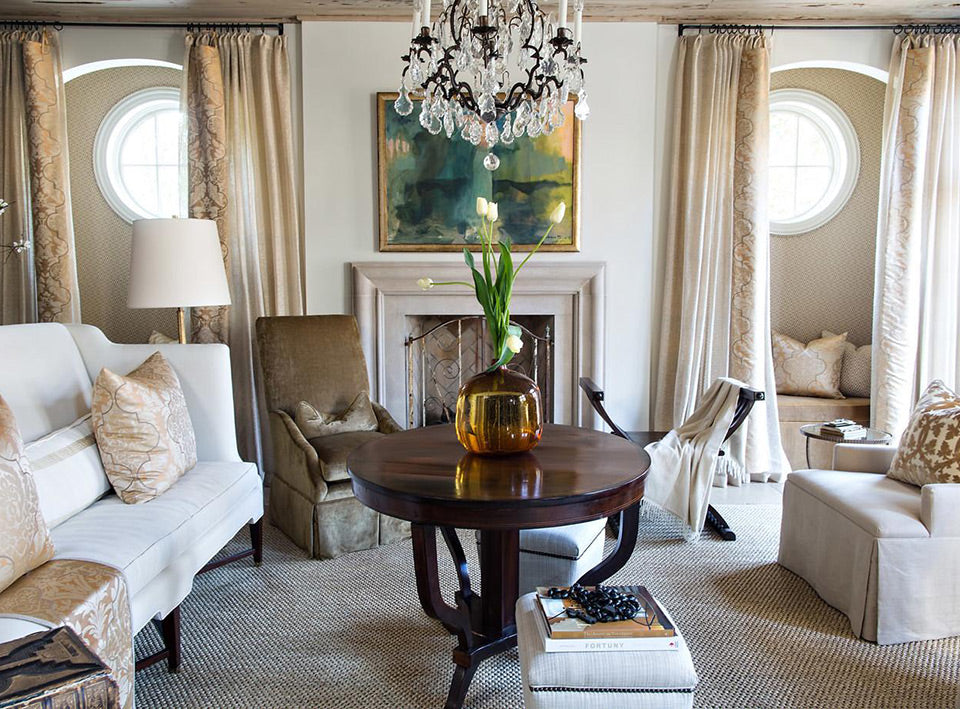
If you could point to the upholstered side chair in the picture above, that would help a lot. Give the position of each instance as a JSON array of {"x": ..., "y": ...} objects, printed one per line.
[{"x": 318, "y": 359}]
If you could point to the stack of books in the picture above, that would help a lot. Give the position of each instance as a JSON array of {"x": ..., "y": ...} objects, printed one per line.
[
  {"x": 649, "y": 629},
  {"x": 843, "y": 430}
]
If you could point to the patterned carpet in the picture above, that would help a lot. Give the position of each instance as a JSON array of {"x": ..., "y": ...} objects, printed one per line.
[{"x": 348, "y": 633}]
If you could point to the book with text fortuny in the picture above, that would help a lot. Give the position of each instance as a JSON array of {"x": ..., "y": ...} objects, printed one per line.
[{"x": 651, "y": 629}]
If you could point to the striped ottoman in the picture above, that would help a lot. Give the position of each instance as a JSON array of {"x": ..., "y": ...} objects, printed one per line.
[{"x": 599, "y": 680}]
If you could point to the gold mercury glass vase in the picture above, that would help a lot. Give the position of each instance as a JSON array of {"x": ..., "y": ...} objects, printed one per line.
[{"x": 499, "y": 413}]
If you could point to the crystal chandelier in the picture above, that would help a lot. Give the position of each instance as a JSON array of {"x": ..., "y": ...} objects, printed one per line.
[{"x": 492, "y": 70}]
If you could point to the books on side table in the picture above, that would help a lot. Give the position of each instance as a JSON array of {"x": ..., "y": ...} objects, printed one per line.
[
  {"x": 649, "y": 629},
  {"x": 843, "y": 430}
]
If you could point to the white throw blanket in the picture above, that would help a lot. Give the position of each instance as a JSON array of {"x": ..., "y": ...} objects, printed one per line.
[{"x": 682, "y": 463}]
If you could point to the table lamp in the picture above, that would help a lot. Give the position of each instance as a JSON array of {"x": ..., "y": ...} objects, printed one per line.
[{"x": 176, "y": 263}]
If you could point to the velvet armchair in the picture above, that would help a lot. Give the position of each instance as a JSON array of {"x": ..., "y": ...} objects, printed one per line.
[{"x": 318, "y": 359}]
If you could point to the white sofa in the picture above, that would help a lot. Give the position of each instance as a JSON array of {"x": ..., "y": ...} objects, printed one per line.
[
  {"x": 46, "y": 375},
  {"x": 885, "y": 553}
]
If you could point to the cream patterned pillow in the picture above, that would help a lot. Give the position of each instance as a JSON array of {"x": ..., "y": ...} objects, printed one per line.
[
  {"x": 855, "y": 373},
  {"x": 24, "y": 539},
  {"x": 359, "y": 416},
  {"x": 808, "y": 370},
  {"x": 929, "y": 449},
  {"x": 143, "y": 429}
]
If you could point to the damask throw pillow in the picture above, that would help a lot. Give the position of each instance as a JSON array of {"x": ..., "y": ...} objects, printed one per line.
[
  {"x": 808, "y": 370},
  {"x": 855, "y": 373},
  {"x": 929, "y": 449},
  {"x": 24, "y": 539},
  {"x": 359, "y": 416},
  {"x": 143, "y": 429}
]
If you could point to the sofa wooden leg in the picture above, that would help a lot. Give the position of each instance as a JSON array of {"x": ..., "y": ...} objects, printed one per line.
[
  {"x": 170, "y": 627},
  {"x": 256, "y": 540}
]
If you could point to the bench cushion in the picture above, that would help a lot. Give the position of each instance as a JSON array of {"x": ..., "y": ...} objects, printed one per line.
[
  {"x": 142, "y": 540},
  {"x": 568, "y": 542},
  {"x": 880, "y": 506}
]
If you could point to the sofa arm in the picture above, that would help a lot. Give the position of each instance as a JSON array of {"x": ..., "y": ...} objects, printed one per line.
[
  {"x": 938, "y": 509},
  {"x": 294, "y": 459},
  {"x": 386, "y": 421},
  {"x": 863, "y": 457}
]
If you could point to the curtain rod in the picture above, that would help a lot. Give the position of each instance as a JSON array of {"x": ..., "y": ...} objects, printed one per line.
[
  {"x": 59, "y": 25},
  {"x": 902, "y": 28}
]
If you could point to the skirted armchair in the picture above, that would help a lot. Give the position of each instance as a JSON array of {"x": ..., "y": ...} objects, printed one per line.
[{"x": 318, "y": 359}]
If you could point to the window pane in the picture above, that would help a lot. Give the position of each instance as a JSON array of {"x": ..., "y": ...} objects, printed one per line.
[
  {"x": 168, "y": 131},
  {"x": 169, "y": 197},
  {"x": 812, "y": 184},
  {"x": 814, "y": 148},
  {"x": 141, "y": 184},
  {"x": 783, "y": 138},
  {"x": 138, "y": 145},
  {"x": 782, "y": 191}
]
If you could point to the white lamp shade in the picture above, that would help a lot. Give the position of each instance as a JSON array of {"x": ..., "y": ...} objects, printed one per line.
[{"x": 176, "y": 263}]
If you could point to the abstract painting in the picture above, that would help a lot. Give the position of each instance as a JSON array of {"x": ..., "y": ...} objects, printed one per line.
[{"x": 429, "y": 185}]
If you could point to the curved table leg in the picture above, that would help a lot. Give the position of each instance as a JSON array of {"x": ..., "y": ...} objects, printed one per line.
[
  {"x": 484, "y": 624},
  {"x": 626, "y": 543}
]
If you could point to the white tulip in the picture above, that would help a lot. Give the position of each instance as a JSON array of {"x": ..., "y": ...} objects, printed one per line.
[
  {"x": 514, "y": 344},
  {"x": 556, "y": 216},
  {"x": 425, "y": 283},
  {"x": 493, "y": 212},
  {"x": 481, "y": 207}
]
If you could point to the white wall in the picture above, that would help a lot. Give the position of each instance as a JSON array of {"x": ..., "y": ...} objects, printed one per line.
[{"x": 346, "y": 63}]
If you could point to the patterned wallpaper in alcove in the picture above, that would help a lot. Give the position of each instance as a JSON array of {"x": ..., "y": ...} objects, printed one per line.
[
  {"x": 103, "y": 238},
  {"x": 823, "y": 280}
]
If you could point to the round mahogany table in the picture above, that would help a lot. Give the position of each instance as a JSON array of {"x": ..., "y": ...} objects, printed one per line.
[{"x": 425, "y": 476}]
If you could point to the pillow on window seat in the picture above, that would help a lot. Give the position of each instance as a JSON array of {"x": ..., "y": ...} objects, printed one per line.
[
  {"x": 808, "y": 370},
  {"x": 855, "y": 372},
  {"x": 929, "y": 450}
]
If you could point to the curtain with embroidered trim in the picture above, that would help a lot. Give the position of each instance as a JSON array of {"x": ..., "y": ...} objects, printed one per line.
[
  {"x": 241, "y": 172},
  {"x": 716, "y": 307}
]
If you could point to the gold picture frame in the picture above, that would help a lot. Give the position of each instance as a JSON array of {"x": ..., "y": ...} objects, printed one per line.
[{"x": 423, "y": 184}]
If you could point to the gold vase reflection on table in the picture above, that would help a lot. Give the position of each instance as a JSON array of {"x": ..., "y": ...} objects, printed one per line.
[{"x": 499, "y": 413}]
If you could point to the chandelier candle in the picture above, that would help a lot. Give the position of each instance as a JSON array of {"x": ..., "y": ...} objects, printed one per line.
[{"x": 490, "y": 71}]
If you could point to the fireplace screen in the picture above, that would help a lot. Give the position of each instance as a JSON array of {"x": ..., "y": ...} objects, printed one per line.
[{"x": 444, "y": 352}]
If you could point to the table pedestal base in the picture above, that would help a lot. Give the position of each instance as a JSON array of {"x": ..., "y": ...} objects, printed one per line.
[{"x": 484, "y": 623}]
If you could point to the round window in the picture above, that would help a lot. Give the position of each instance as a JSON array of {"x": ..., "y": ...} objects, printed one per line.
[
  {"x": 137, "y": 155},
  {"x": 814, "y": 160}
]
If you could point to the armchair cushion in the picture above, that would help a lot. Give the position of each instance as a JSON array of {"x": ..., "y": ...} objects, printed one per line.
[
  {"x": 938, "y": 509},
  {"x": 333, "y": 452},
  {"x": 358, "y": 416},
  {"x": 930, "y": 447},
  {"x": 863, "y": 457},
  {"x": 882, "y": 507}
]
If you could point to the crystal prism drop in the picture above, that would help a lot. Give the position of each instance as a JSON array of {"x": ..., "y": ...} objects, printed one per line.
[
  {"x": 506, "y": 135},
  {"x": 582, "y": 111},
  {"x": 416, "y": 73},
  {"x": 475, "y": 133},
  {"x": 491, "y": 134},
  {"x": 434, "y": 125},
  {"x": 425, "y": 117},
  {"x": 491, "y": 162},
  {"x": 403, "y": 105},
  {"x": 533, "y": 128},
  {"x": 487, "y": 107},
  {"x": 448, "y": 123}
]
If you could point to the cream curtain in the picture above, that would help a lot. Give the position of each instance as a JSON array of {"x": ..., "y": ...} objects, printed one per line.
[
  {"x": 716, "y": 319},
  {"x": 34, "y": 178},
  {"x": 917, "y": 299},
  {"x": 242, "y": 173}
]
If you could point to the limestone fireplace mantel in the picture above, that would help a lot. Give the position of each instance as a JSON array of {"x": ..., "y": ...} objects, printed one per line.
[{"x": 386, "y": 292}]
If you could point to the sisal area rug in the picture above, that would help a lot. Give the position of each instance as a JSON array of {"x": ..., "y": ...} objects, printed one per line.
[{"x": 348, "y": 633}]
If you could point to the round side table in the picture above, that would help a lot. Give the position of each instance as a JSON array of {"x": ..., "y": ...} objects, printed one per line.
[
  {"x": 423, "y": 475},
  {"x": 812, "y": 430}
]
